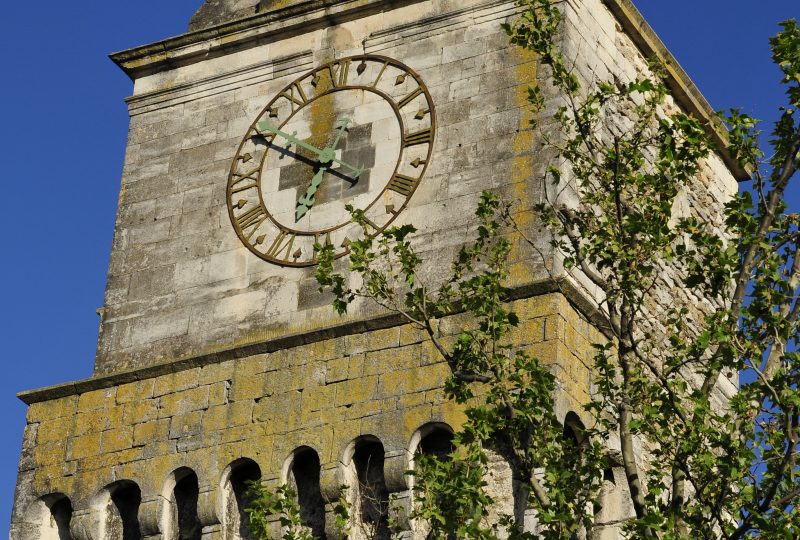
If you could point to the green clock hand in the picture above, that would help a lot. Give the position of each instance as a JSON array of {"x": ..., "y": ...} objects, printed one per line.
[
  {"x": 356, "y": 170},
  {"x": 291, "y": 137},
  {"x": 342, "y": 126},
  {"x": 325, "y": 155},
  {"x": 305, "y": 202}
]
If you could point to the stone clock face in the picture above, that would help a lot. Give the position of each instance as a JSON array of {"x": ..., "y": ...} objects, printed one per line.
[{"x": 357, "y": 131}]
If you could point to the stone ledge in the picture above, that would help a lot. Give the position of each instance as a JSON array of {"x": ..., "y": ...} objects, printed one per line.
[
  {"x": 271, "y": 25},
  {"x": 574, "y": 296}
]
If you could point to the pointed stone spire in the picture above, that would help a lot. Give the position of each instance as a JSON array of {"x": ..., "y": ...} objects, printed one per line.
[{"x": 214, "y": 12}]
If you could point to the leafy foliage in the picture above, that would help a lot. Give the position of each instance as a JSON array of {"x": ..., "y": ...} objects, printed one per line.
[
  {"x": 269, "y": 510},
  {"x": 282, "y": 502},
  {"x": 622, "y": 206},
  {"x": 507, "y": 394}
]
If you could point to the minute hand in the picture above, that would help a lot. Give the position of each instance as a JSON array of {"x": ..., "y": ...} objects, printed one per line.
[{"x": 266, "y": 126}]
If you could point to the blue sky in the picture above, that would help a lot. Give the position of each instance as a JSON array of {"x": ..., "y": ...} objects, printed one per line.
[{"x": 62, "y": 139}]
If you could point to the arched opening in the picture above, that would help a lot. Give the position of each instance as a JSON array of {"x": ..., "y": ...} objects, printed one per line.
[
  {"x": 372, "y": 496},
  {"x": 48, "y": 518},
  {"x": 186, "y": 494},
  {"x": 613, "y": 506},
  {"x": 437, "y": 440},
  {"x": 122, "y": 511},
  {"x": 433, "y": 440},
  {"x": 236, "y": 483},
  {"x": 60, "y": 516},
  {"x": 179, "y": 520},
  {"x": 574, "y": 439},
  {"x": 574, "y": 430},
  {"x": 304, "y": 478}
]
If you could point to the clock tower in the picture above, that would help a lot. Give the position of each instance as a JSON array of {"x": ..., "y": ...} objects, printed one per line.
[{"x": 218, "y": 360}]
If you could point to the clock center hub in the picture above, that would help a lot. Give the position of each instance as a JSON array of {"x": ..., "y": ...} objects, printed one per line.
[{"x": 326, "y": 156}]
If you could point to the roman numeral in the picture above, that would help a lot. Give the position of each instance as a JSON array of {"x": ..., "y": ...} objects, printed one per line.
[
  {"x": 409, "y": 98},
  {"x": 318, "y": 239},
  {"x": 369, "y": 224},
  {"x": 378, "y": 78},
  {"x": 339, "y": 72},
  {"x": 252, "y": 219},
  {"x": 402, "y": 184},
  {"x": 419, "y": 137},
  {"x": 241, "y": 177},
  {"x": 266, "y": 137},
  {"x": 321, "y": 241},
  {"x": 296, "y": 95},
  {"x": 281, "y": 245}
]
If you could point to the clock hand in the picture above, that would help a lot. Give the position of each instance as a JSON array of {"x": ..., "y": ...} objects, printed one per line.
[
  {"x": 266, "y": 126},
  {"x": 305, "y": 202},
  {"x": 356, "y": 170},
  {"x": 342, "y": 126},
  {"x": 325, "y": 155}
]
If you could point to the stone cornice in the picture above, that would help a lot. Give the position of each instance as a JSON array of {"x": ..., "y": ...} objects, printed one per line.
[
  {"x": 312, "y": 14},
  {"x": 571, "y": 292},
  {"x": 251, "y": 31}
]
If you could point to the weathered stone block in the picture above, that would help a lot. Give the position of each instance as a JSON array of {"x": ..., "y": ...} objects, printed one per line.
[
  {"x": 215, "y": 418},
  {"x": 280, "y": 413},
  {"x": 240, "y": 413},
  {"x": 148, "y": 432},
  {"x": 355, "y": 391},
  {"x": 53, "y": 430},
  {"x": 397, "y": 383},
  {"x": 91, "y": 422},
  {"x": 140, "y": 411},
  {"x": 337, "y": 370},
  {"x": 176, "y": 382},
  {"x": 139, "y": 390},
  {"x": 117, "y": 439},
  {"x": 189, "y": 400},
  {"x": 248, "y": 388},
  {"x": 83, "y": 446},
  {"x": 96, "y": 399},
  {"x": 318, "y": 398},
  {"x": 216, "y": 372},
  {"x": 219, "y": 393},
  {"x": 185, "y": 425}
]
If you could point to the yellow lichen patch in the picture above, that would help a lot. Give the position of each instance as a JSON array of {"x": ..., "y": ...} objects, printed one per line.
[
  {"x": 415, "y": 417},
  {"x": 526, "y": 73},
  {"x": 324, "y": 395},
  {"x": 84, "y": 446},
  {"x": 96, "y": 399},
  {"x": 56, "y": 408}
]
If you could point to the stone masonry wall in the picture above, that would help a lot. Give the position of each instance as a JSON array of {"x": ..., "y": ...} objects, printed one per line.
[
  {"x": 181, "y": 283},
  {"x": 385, "y": 384},
  {"x": 607, "y": 53}
]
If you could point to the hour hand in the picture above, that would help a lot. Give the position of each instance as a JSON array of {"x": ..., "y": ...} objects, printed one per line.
[
  {"x": 305, "y": 202},
  {"x": 356, "y": 170}
]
